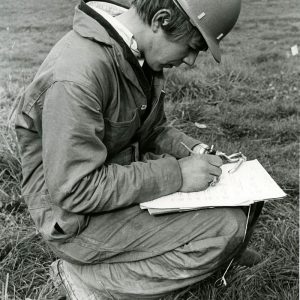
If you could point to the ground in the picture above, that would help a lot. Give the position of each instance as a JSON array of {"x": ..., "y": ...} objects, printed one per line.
[{"x": 249, "y": 103}]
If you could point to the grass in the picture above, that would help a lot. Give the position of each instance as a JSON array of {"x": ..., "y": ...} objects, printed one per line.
[{"x": 249, "y": 103}]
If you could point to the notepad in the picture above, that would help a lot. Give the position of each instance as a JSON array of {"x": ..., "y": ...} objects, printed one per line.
[{"x": 249, "y": 184}]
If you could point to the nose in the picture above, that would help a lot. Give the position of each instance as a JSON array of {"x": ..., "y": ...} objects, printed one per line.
[{"x": 190, "y": 58}]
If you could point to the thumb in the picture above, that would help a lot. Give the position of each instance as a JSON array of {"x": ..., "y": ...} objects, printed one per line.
[{"x": 214, "y": 160}]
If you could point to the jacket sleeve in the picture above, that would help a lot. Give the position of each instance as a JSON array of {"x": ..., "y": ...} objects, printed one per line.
[
  {"x": 167, "y": 139},
  {"x": 74, "y": 156}
]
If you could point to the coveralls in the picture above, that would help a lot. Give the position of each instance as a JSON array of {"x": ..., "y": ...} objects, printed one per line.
[{"x": 94, "y": 144}]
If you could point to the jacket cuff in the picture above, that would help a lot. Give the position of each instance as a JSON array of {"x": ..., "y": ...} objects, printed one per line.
[
  {"x": 191, "y": 143},
  {"x": 167, "y": 181}
]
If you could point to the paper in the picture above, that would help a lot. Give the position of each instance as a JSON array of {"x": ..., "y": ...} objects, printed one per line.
[
  {"x": 250, "y": 183},
  {"x": 294, "y": 50}
]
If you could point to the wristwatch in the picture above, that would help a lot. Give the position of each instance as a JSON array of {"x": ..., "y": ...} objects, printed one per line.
[{"x": 202, "y": 149}]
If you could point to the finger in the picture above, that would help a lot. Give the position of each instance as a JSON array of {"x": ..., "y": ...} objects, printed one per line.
[
  {"x": 214, "y": 180},
  {"x": 214, "y": 160},
  {"x": 215, "y": 171}
]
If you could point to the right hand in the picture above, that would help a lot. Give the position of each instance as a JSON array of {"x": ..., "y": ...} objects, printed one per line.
[{"x": 198, "y": 171}]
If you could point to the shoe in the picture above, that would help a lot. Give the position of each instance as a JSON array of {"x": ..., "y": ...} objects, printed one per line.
[
  {"x": 57, "y": 280},
  {"x": 249, "y": 258},
  {"x": 68, "y": 284}
]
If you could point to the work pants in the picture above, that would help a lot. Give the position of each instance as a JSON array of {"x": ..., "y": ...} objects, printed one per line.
[{"x": 147, "y": 257}]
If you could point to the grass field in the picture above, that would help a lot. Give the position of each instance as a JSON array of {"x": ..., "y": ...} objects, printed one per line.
[{"x": 249, "y": 103}]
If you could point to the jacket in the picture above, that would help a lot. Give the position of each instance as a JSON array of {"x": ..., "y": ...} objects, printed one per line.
[{"x": 92, "y": 131}]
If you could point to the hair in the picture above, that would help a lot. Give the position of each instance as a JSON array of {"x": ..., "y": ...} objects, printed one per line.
[{"x": 178, "y": 27}]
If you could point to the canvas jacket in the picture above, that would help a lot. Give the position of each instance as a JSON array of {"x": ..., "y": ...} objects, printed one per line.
[{"x": 92, "y": 131}]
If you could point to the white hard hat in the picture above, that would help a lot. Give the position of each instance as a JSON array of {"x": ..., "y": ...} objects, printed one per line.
[{"x": 213, "y": 18}]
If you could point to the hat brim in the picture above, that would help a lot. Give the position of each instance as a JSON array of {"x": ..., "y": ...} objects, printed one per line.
[{"x": 212, "y": 44}]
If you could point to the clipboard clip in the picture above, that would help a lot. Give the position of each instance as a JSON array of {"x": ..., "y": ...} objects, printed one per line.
[{"x": 237, "y": 157}]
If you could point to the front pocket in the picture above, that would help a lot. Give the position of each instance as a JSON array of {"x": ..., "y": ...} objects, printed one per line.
[{"x": 118, "y": 135}]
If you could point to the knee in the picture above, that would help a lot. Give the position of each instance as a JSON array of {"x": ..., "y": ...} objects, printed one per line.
[
  {"x": 234, "y": 224},
  {"x": 232, "y": 233}
]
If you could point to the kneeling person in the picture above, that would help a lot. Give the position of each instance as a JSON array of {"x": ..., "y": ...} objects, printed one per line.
[{"x": 94, "y": 144}]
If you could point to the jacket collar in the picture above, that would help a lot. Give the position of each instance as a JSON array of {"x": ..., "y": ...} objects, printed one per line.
[
  {"x": 92, "y": 25},
  {"x": 89, "y": 28}
]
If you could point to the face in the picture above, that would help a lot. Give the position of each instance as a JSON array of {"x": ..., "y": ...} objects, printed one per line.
[{"x": 164, "y": 53}]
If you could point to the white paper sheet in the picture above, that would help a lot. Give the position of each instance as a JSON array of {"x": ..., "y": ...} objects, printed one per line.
[{"x": 250, "y": 183}]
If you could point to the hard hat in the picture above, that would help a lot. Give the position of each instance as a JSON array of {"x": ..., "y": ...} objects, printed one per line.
[{"x": 213, "y": 18}]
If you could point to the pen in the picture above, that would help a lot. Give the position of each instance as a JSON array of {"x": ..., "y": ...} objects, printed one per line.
[{"x": 190, "y": 150}]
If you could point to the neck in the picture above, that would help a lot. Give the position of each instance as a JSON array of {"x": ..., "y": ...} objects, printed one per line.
[{"x": 136, "y": 26}]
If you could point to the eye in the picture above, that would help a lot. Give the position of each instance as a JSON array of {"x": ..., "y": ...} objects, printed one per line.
[
  {"x": 203, "y": 48},
  {"x": 194, "y": 49},
  {"x": 199, "y": 48}
]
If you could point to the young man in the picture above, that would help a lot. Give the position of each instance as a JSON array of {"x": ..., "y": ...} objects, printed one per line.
[{"x": 94, "y": 144}]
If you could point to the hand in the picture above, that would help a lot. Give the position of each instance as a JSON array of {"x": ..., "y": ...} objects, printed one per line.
[{"x": 198, "y": 171}]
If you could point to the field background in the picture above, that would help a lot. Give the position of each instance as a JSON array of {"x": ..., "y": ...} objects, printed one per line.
[{"x": 249, "y": 103}]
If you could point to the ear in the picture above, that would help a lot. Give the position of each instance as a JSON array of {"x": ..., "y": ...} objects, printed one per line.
[{"x": 160, "y": 19}]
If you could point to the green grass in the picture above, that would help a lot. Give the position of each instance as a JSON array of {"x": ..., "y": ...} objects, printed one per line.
[{"x": 249, "y": 103}]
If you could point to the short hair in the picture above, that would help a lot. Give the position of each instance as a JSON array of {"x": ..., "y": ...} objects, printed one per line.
[{"x": 179, "y": 26}]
